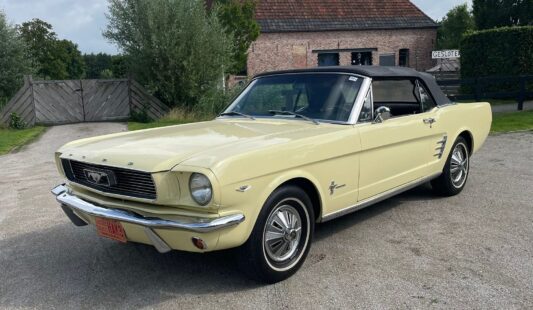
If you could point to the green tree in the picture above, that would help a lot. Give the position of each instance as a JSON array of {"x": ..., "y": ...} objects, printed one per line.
[
  {"x": 41, "y": 41},
  {"x": 52, "y": 58},
  {"x": 238, "y": 19},
  {"x": 120, "y": 66},
  {"x": 13, "y": 60},
  {"x": 106, "y": 74},
  {"x": 454, "y": 26},
  {"x": 175, "y": 48},
  {"x": 70, "y": 55},
  {"x": 114, "y": 66},
  {"x": 490, "y": 14},
  {"x": 96, "y": 63}
]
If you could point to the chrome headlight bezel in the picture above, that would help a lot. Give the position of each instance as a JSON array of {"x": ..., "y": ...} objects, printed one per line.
[{"x": 200, "y": 188}]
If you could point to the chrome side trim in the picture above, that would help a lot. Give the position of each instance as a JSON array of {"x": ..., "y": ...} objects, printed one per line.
[
  {"x": 380, "y": 197},
  {"x": 205, "y": 225},
  {"x": 359, "y": 101}
]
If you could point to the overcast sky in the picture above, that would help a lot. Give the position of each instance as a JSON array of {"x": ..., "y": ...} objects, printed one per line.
[{"x": 82, "y": 21}]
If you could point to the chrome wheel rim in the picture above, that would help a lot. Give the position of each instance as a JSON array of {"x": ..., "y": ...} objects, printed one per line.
[
  {"x": 282, "y": 234},
  {"x": 459, "y": 165}
]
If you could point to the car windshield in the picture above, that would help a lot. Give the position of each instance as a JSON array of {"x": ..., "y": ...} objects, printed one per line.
[{"x": 326, "y": 97}]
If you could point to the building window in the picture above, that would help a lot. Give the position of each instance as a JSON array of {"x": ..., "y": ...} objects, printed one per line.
[
  {"x": 361, "y": 58},
  {"x": 404, "y": 58},
  {"x": 328, "y": 59},
  {"x": 387, "y": 60}
]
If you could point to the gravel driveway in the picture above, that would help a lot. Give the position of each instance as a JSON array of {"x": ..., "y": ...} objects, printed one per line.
[{"x": 474, "y": 250}]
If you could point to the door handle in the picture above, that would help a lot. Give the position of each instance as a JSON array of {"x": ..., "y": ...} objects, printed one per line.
[{"x": 429, "y": 121}]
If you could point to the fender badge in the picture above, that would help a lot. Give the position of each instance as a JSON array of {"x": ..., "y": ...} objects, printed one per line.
[{"x": 334, "y": 186}]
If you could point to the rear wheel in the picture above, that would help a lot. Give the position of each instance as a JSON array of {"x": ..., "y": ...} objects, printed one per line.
[
  {"x": 281, "y": 238},
  {"x": 453, "y": 178}
]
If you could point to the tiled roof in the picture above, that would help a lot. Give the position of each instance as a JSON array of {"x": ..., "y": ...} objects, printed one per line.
[{"x": 322, "y": 15}]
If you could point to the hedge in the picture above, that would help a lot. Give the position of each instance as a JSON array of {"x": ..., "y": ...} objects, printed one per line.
[{"x": 504, "y": 51}]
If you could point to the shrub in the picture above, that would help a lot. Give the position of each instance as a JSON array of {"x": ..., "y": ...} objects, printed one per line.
[
  {"x": 140, "y": 116},
  {"x": 215, "y": 100},
  {"x": 211, "y": 104},
  {"x": 497, "y": 52},
  {"x": 16, "y": 122},
  {"x": 176, "y": 49}
]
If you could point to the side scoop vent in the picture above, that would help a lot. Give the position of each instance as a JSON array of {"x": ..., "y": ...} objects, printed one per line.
[{"x": 441, "y": 145}]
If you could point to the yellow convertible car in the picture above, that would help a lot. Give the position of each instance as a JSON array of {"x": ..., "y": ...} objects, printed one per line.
[{"x": 295, "y": 148}]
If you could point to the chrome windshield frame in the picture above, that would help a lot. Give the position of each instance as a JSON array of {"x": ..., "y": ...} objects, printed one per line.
[{"x": 354, "y": 114}]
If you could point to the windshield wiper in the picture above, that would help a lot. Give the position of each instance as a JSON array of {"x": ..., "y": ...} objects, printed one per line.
[
  {"x": 274, "y": 112},
  {"x": 236, "y": 113}
]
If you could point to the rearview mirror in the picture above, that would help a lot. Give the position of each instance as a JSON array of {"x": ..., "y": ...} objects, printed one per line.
[{"x": 382, "y": 114}]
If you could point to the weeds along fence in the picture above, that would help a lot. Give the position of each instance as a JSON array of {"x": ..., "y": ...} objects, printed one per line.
[
  {"x": 519, "y": 88},
  {"x": 74, "y": 101}
]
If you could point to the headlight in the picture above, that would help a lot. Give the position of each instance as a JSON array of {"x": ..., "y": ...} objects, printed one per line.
[{"x": 200, "y": 187}]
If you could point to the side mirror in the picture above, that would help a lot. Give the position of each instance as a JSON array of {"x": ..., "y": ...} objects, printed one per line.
[{"x": 382, "y": 114}]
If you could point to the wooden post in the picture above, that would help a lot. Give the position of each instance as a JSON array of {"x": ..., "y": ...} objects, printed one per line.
[
  {"x": 478, "y": 89},
  {"x": 522, "y": 95},
  {"x": 29, "y": 79},
  {"x": 82, "y": 100},
  {"x": 128, "y": 83}
]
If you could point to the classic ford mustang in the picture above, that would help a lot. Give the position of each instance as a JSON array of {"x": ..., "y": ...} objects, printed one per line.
[{"x": 295, "y": 148}]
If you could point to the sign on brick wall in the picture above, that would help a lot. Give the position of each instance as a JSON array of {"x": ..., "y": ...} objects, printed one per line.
[{"x": 446, "y": 54}]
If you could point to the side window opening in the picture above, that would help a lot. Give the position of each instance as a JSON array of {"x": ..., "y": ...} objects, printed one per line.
[
  {"x": 402, "y": 96},
  {"x": 396, "y": 94}
]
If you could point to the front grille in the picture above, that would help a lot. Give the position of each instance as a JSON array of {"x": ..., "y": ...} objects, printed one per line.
[{"x": 128, "y": 182}]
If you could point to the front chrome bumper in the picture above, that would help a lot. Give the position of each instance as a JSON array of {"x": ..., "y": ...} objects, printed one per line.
[{"x": 74, "y": 204}]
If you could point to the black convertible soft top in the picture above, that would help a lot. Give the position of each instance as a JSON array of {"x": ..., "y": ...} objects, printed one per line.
[{"x": 377, "y": 72}]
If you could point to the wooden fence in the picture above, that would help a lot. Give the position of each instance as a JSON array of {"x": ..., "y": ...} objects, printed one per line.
[
  {"x": 519, "y": 88},
  {"x": 449, "y": 90},
  {"x": 73, "y": 101}
]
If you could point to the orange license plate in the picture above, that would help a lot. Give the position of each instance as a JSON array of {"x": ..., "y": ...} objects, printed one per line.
[{"x": 110, "y": 229}]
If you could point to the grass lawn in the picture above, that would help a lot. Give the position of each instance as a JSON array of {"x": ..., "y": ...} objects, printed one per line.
[
  {"x": 513, "y": 121},
  {"x": 11, "y": 139}
]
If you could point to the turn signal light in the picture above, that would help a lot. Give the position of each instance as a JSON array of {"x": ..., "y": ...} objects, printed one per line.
[{"x": 199, "y": 243}]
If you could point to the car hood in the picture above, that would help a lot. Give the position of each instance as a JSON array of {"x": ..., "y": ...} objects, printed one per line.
[{"x": 161, "y": 149}]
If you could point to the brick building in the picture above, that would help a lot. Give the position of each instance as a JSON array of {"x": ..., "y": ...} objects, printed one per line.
[{"x": 308, "y": 33}]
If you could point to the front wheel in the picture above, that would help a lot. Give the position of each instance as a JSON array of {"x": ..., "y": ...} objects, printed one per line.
[
  {"x": 453, "y": 178},
  {"x": 281, "y": 238}
]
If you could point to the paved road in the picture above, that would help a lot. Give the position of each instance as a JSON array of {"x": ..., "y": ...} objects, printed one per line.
[{"x": 412, "y": 251}]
